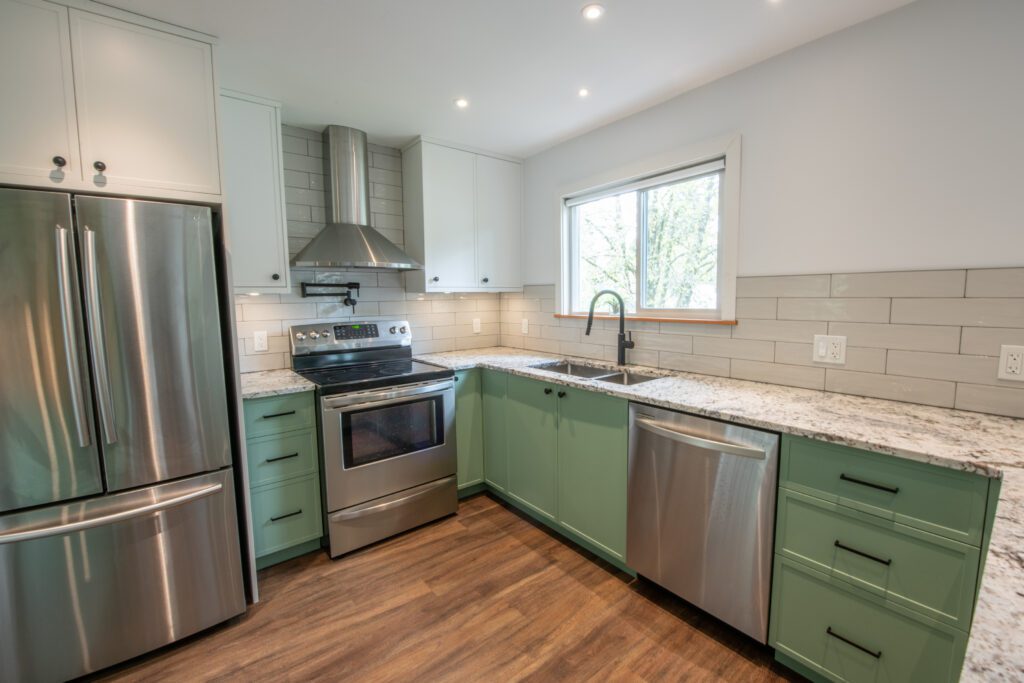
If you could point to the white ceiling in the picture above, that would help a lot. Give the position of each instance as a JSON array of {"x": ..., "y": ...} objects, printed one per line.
[{"x": 394, "y": 67}]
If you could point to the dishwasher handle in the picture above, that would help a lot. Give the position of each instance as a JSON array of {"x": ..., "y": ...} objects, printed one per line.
[{"x": 648, "y": 424}]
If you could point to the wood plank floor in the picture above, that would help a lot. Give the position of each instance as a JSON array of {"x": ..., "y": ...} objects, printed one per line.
[{"x": 484, "y": 595}]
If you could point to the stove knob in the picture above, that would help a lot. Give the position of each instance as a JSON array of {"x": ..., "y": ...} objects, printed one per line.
[
  {"x": 404, "y": 329},
  {"x": 325, "y": 334},
  {"x": 393, "y": 330},
  {"x": 300, "y": 336},
  {"x": 314, "y": 335}
]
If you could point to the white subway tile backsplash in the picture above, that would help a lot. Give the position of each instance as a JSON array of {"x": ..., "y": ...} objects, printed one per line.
[
  {"x": 764, "y": 309},
  {"x": 998, "y": 400},
  {"x": 852, "y": 310},
  {"x": 985, "y": 341},
  {"x": 910, "y": 389},
  {"x": 779, "y": 330},
  {"x": 978, "y": 312},
  {"x": 776, "y": 373},
  {"x": 949, "y": 366},
  {"x": 943, "y": 339},
  {"x": 859, "y": 359},
  {"x": 931, "y": 283},
  {"x": 687, "y": 362},
  {"x": 996, "y": 282},
  {"x": 783, "y": 285}
]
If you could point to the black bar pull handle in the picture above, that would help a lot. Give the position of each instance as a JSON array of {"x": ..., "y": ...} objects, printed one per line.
[
  {"x": 848, "y": 549},
  {"x": 561, "y": 394},
  {"x": 290, "y": 514},
  {"x": 876, "y": 655},
  {"x": 880, "y": 487},
  {"x": 295, "y": 455},
  {"x": 548, "y": 390},
  {"x": 285, "y": 414}
]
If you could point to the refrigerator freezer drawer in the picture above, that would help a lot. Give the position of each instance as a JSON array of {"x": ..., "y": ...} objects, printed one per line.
[{"x": 89, "y": 584}]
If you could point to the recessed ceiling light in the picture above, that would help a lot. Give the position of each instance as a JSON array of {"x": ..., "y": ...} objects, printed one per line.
[
  {"x": 461, "y": 102},
  {"x": 584, "y": 92},
  {"x": 593, "y": 11}
]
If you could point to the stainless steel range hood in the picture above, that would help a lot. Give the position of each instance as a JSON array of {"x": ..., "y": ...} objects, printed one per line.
[{"x": 348, "y": 241}]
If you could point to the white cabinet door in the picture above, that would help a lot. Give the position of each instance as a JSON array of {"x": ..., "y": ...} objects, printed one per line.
[
  {"x": 498, "y": 222},
  {"x": 37, "y": 105},
  {"x": 254, "y": 192},
  {"x": 448, "y": 218},
  {"x": 146, "y": 106}
]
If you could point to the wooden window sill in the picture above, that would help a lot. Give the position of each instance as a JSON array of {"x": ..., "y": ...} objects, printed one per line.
[{"x": 688, "y": 321}]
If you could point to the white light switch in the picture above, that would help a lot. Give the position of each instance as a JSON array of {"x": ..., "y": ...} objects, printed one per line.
[
  {"x": 525, "y": 326},
  {"x": 829, "y": 349},
  {"x": 476, "y": 325},
  {"x": 1011, "y": 363},
  {"x": 259, "y": 340}
]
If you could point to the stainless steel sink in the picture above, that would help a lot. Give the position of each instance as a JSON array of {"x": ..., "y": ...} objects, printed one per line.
[
  {"x": 626, "y": 378},
  {"x": 574, "y": 370}
]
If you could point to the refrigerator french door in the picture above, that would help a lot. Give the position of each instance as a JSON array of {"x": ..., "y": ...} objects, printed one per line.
[{"x": 118, "y": 530}]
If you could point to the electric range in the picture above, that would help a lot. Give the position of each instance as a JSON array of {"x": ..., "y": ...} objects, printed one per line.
[{"x": 386, "y": 428}]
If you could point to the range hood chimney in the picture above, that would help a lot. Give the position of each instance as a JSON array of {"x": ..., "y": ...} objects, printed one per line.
[{"x": 348, "y": 241}]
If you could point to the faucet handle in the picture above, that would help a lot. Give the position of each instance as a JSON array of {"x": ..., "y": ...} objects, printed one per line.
[{"x": 629, "y": 344}]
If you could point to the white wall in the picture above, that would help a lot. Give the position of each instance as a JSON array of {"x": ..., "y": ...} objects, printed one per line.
[{"x": 897, "y": 144}]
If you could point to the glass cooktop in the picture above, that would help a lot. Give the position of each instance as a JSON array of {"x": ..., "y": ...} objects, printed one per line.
[{"x": 358, "y": 377}]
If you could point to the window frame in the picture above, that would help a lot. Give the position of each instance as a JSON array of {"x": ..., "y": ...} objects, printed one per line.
[{"x": 665, "y": 169}]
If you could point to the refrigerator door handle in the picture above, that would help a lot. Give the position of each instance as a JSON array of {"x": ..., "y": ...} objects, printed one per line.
[
  {"x": 98, "y": 348},
  {"x": 69, "y": 328},
  {"x": 103, "y": 520}
]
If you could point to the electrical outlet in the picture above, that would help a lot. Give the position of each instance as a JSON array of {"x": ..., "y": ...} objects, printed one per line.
[
  {"x": 259, "y": 341},
  {"x": 1011, "y": 363},
  {"x": 476, "y": 325},
  {"x": 829, "y": 349},
  {"x": 525, "y": 326}
]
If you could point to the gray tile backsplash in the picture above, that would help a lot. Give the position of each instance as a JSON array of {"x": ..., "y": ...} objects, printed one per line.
[{"x": 928, "y": 337}]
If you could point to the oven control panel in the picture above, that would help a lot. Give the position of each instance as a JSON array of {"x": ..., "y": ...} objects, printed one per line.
[{"x": 347, "y": 335}]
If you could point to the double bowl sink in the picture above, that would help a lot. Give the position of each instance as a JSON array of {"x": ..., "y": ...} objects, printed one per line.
[{"x": 622, "y": 377}]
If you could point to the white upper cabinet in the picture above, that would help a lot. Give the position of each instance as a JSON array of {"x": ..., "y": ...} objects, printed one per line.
[
  {"x": 254, "y": 209},
  {"x": 37, "y": 108},
  {"x": 146, "y": 106},
  {"x": 97, "y": 92},
  {"x": 463, "y": 219},
  {"x": 499, "y": 188}
]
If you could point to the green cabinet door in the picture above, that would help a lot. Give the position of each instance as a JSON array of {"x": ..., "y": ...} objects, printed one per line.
[
  {"x": 469, "y": 430},
  {"x": 592, "y": 467},
  {"x": 531, "y": 423},
  {"x": 494, "y": 389}
]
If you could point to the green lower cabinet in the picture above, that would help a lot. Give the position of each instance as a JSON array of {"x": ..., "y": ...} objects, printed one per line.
[
  {"x": 592, "y": 467},
  {"x": 286, "y": 514},
  {"x": 845, "y": 634},
  {"x": 531, "y": 414},
  {"x": 469, "y": 430},
  {"x": 494, "y": 391},
  {"x": 923, "y": 572}
]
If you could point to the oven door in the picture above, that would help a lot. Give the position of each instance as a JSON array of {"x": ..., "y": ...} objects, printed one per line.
[{"x": 380, "y": 442}]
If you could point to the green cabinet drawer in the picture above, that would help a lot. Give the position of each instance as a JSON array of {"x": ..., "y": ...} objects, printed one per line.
[
  {"x": 822, "y": 624},
  {"x": 592, "y": 467},
  {"x": 469, "y": 431},
  {"x": 286, "y": 514},
  {"x": 927, "y": 497},
  {"x": 494, "y": 390},
  {"x": 277, "y": 414},
  {"x": 280, "y": 457},
  {"x": 531, "y": 420},
  {"x": 924, "y": 572}
]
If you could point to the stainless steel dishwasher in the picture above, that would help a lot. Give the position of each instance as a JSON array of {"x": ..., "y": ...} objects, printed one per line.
[{"x": 701, "y": 512}]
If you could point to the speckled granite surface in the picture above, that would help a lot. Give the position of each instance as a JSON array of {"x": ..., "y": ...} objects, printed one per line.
[
  {"x": 985, "y": 444},
  {"x": 273, "y": 383}
]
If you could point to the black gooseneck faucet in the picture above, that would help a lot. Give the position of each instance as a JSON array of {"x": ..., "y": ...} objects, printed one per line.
[{"x": 623, "y": 342}]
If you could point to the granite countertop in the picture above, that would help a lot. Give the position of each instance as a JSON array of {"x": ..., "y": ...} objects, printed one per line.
[
  {"x": 273, "y": 383},
  {"x": 973, "y": 442}
]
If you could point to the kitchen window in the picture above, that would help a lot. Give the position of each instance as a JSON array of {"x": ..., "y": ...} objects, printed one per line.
[{"x": 665, "y": 242}]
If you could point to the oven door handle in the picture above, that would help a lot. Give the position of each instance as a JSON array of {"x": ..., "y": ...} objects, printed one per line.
[
  {"x": 345, "y": 404},
  {"x": 391, "y": 504}
]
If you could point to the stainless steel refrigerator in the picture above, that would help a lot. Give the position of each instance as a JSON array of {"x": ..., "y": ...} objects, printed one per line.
[{"x": 118, "y": 525}]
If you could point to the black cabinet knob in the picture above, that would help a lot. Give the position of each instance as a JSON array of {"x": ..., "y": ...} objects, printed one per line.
[
  {"x": 561, "y": 394},
  {"x": 548, "y": 390},
  {"x": 486, "y": 280},
  {"x": 456, "y": 378},
  {"x": 99, "y": 166},
  {"x": 60, "y": 162},
  {"x": 275, "y": 276},
  {"x": 435, "y": 279}
]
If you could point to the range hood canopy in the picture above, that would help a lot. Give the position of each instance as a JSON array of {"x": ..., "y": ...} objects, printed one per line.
[{"x": 348, "y": 241}]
